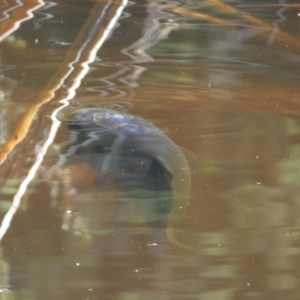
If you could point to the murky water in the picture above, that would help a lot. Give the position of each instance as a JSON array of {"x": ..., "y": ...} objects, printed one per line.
[{"x": 221, "y": 80}]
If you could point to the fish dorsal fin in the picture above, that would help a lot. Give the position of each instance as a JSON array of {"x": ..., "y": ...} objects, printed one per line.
[
  {"x": 115, "y": 150},
  {"x": 189, "y": 155}
]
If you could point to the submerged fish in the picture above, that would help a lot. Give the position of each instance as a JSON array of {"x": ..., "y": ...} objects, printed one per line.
[{"x": 144, "y": 163}]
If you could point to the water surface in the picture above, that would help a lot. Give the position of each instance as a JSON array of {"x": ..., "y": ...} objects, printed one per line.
[{"x": 221, "y": 83}]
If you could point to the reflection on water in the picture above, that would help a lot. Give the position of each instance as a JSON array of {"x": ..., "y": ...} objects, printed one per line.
[{"x": 219, "y": 79}]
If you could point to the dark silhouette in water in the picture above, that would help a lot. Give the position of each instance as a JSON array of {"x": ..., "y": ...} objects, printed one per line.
[{"x": 140, "y": 159}]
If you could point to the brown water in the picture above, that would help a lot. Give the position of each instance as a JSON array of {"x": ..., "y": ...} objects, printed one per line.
[{"x": 226, "y": 89}]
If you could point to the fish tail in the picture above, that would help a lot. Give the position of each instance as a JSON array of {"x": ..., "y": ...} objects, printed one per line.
[{"x": 174, "y": 241}]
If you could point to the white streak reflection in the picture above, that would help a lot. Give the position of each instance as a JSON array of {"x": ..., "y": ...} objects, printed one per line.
[
  {"x": 71, "y": 92},
  {"x": 6, "y": 13}
]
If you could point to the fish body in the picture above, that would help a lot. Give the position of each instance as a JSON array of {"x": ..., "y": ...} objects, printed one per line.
[{"x": 136, "y": 155}]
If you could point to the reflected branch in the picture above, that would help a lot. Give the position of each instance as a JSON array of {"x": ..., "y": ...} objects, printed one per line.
[
  {"x": 154, "y": 31},
  {"x": 62, "y": 88},
  {"x": 71, "y": 71},
  {"x": 21, "y": 12},
  {"x": 193, "y": 14},
  {"x": 281, "y": 36}
]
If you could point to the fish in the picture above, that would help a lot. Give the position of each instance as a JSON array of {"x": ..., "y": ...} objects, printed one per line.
[{"x": 135, "y": 154}]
